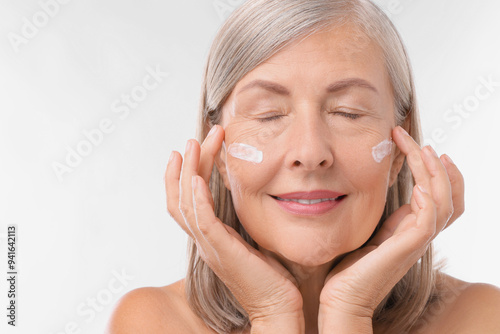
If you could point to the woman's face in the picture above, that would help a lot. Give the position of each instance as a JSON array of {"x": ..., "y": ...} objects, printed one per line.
[{"x": 312, "y": 115}]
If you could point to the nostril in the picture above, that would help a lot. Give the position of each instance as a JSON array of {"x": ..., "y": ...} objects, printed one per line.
[{"x": 322, "y": 163}]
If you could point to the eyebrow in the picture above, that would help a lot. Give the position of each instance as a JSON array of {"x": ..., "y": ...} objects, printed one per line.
[{"x": 276, "y": 88}]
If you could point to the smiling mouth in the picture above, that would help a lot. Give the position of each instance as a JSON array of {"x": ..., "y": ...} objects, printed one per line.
[{"x": 308, "y": 201}]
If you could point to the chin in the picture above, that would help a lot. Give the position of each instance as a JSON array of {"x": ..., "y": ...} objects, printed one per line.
[
  {"x": 311, "y": 244},
  {"x": 309, "y": 254}
]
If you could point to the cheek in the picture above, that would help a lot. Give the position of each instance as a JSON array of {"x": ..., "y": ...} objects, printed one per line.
[
  {"x": 247, "y": 177},
  {"x": 366, "y": 162},
  {"x": 254, "y": 158},
  {"x": 254, "y": 153},
  {"x": 259, "y": 138},
  {"x": 248, "y": 183},
  {"x": 249, "y": 153},
  {"x": 371, "y": 194},
  {"x": 367, "y": 181}
]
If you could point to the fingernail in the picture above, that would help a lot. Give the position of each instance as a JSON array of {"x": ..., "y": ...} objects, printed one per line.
[
  {"x": 447, "y": 158},
  {"x": 171, "y": 157},
  {"x": 212, "y": 131},
  {"x": 194, "y": 181},
  {"x": 422, "y": 189},
  {"x": 430, "y": 151}
]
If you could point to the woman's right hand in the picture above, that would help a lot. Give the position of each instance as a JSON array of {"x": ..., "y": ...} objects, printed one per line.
[{"x": 263, "y": 287}]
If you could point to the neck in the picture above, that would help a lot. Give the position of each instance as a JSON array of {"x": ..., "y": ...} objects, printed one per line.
[{"x": 310, "y": 280}]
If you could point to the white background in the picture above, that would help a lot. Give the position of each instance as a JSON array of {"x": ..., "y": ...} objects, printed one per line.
[{"x": 107, "y": 217}]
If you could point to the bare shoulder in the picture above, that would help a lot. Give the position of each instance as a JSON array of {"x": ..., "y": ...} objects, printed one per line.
[
  {"x": 477, "y": 309},
  {"x": 466, "y": 308},
  {"x": 154, "y": 310}
]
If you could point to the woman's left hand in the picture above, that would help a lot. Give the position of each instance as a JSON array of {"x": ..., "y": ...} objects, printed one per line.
[{"x": 359, "y": 283}]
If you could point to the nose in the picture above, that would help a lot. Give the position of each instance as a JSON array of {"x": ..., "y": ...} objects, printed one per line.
[{"x": 309, "y": 143}]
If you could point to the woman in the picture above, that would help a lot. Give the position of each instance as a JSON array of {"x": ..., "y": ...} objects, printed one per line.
[{"x": 312, "y": 222}]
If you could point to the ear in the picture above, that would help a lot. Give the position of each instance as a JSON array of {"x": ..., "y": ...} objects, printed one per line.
[{"x": 220, "y": 162}]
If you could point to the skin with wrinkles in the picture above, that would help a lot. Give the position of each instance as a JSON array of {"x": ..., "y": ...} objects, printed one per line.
[
  {"x": 319, "y": 135},
  {"x": 294, "y": 131},
  {"x": 245, "y": 152},
  {"x": 383, "y": 149}
]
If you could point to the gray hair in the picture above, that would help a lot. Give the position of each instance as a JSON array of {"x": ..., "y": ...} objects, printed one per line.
[{"x": 251, "y": 35}]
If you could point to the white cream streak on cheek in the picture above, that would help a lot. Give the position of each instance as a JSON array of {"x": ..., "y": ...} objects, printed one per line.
[
  {"x": 245, "y": 152},
  {"x": 382, "y": 150}
]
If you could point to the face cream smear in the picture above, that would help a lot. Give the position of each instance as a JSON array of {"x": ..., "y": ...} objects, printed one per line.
[
  {"x": 382, "y": 150},
  {"x": 245, "y": 152}
]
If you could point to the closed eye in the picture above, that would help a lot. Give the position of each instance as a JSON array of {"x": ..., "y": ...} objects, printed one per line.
[
  {"x": 340, "y": 113},
  {"x": 270, "y": 118},
  {"x": 346, "y": 114}
]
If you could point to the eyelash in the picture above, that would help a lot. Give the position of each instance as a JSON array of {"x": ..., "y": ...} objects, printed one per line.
[
  {"x": 343, "y": 114},
  {"x": 347, "y": 114},
  {"x": 270, "y": 118}
]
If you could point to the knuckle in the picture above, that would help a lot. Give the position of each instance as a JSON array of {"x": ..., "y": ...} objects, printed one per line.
[
  {"x": 184, "y": 209},
  {"x": 201, "y": 205},
  {"x": 203, "y": 227},
  {"x": 414, "y": 157}
]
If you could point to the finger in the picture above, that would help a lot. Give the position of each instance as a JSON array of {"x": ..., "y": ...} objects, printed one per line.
[
  {"x": 423, "y": 227},
  {"x": 389, "y": 226},
  {"x": 267, "y": 257},
  {"x": 205, "y": 219},
  {"x": 412, "y": 151},
  {"x": 219, "y": 239},
  {"x": 250, "y": 278},
  {"x": 189, "y": 168},
  {"x": 428, "y": 172},
  {"x": 440, "y": 186},
  {"x": 426, "y": 215},
  {"x": 211, "y": 249},
  {"x": 409, "y": 242},
  {"x": 210, "y": 147},
  {"x": 350, "y": 259},
  {"x": 457, "y": 188},
  {"x": 219, "y": 242},
  {"x": 172, "y": 176}
]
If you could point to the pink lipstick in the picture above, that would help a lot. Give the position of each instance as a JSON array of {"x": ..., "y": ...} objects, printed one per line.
[{"x": 309, "y": 203}]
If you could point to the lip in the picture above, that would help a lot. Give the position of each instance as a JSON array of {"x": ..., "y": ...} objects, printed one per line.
[
  {"x": 316, "y": 194},
  {"x": 296, "y": 208}
]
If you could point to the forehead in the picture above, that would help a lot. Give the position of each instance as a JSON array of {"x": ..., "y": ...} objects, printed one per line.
[
  {"x": 346, "y": 43},
  {"x": 307, "y": 66}
]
